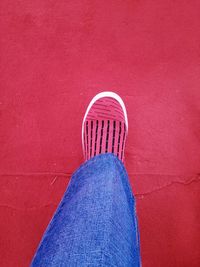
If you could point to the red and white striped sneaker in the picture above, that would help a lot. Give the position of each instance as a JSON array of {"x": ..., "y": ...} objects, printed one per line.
[{"x": 105, "y": 126}]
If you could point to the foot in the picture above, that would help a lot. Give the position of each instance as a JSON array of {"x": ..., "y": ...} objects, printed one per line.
[{"x": 105, "y": 126}]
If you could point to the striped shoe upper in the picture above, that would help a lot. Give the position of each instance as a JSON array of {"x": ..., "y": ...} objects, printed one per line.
[{"x": 104, "y": 129}]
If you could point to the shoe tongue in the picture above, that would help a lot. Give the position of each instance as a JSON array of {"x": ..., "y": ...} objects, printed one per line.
[{"x": 104, "y": 136}]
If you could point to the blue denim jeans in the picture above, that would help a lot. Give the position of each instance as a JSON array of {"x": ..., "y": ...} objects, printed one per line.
[{"x": 95, "y": 223}]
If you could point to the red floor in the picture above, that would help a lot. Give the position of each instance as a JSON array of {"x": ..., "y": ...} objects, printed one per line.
[{"x": 55, "y": 56}]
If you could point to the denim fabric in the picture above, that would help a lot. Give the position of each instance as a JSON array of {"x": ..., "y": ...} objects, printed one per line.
[{"x": 95, "y": 223}]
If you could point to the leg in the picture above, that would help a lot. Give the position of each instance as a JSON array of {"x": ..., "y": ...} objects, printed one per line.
[{"x": 95, "y": 223}]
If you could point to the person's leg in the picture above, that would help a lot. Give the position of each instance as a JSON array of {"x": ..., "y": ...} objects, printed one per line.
[{"x": 95, "y": 223}]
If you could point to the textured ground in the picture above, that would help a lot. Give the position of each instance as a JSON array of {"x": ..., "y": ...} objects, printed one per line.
[{"x": 55, "y": 55}]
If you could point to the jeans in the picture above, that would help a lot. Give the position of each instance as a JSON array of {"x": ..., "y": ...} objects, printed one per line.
[{"x": 95, "y": 223}]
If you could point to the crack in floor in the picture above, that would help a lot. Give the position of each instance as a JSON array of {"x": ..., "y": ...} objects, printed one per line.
[{"x": 137, "y": 195}]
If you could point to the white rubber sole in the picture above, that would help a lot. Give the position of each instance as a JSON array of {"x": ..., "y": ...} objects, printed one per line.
[{"x": 97, "y": 97}]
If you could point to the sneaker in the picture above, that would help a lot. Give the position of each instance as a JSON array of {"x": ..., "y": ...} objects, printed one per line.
[{"x": 105, "y": 126}]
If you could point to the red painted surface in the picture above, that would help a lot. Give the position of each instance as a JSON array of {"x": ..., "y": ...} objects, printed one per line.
[{"x": 55, "y": 56}]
